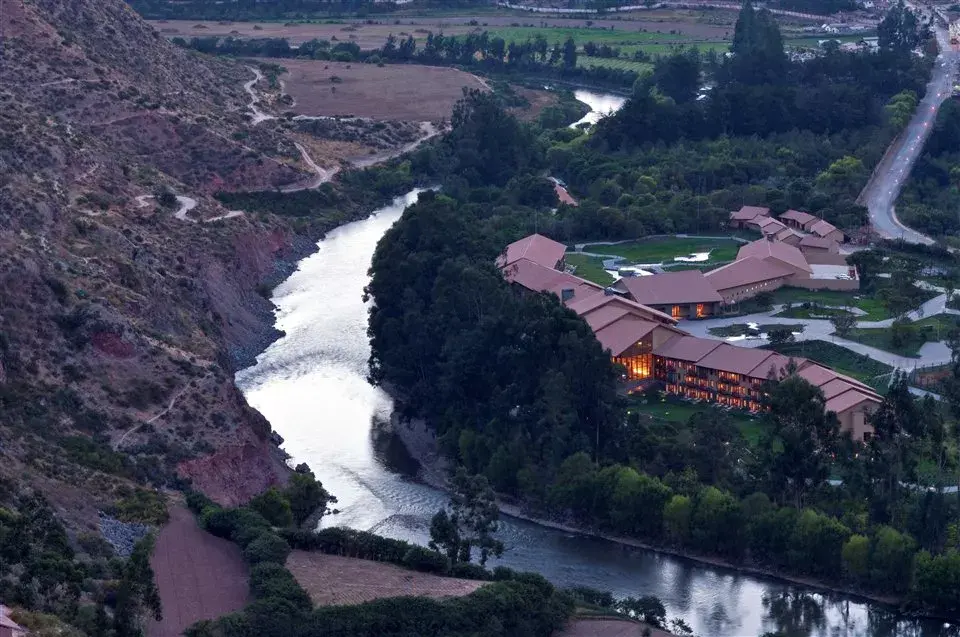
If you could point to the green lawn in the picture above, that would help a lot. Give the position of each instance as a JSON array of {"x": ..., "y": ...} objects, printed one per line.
[
  {"x": 932, "y": 328},
  {"x": 612, "y": 37},
  {"x": 624, "y": 64},
  {"x": 680, "y": 412},
  {"x": 810, "y": 313},
  {"x": 841, "y": 359},
  {"x": 665, "y": 249},
  {"x": 589, "y": 268},
  {"x": 738, "y": 329},
  {"x": 872, "y": 306},
  {"x": 813, "y": 43}
]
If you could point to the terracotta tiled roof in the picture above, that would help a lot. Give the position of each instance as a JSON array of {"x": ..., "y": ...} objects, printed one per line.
[
  {"x": 822, "y": 228},
  {"x": 746, "y": 213},
  {"x": 797, "y": 216},
  {"x": 746, "y": 271},
  {"x": 769, "y": 225},
  {"x": 687, "y": 348},
  {"x": 539, "y": 278},
  {"x": 852, "y": 398},
  {"x": 623, "y": 333},
  {"x": 587, "y": 304},
  {"x": 811, "y": 241},
  {"x": 685, "y": 286},
  {"x": 536, "y": 248},
  {"x": 775, "y": 250}
]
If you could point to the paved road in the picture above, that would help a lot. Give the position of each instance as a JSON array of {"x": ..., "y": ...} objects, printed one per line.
[{"x": 885, "y": 184}]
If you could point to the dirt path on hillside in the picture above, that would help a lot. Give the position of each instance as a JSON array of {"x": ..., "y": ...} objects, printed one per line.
[
  {"x": 323, "y": 175},
  {"x": 199, "y": 576}
]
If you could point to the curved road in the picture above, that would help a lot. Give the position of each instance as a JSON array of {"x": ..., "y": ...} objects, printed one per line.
[{"x": 891, "y": 173}]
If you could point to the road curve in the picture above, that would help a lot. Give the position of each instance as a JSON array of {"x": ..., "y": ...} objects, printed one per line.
[{"x": 881, "y": 192}]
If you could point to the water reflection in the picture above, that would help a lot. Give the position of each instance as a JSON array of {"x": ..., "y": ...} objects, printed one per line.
[
  {"x": 601, "y": 105},
  {"x": 311, "y": 385}
]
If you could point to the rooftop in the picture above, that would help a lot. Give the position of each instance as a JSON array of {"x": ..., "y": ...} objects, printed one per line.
[
  {"x": 539, "y": 278},
  {"x": 687, "y": 348},
  {"x": 746, "y": 213},
  {"x": 822, "y": 228},
  {"x": 670, "y": 288},
  {"x": 812, "y": 241},
  {"x": 745, "y": 271},
  {"x": 536, "y": 248},
  {"x": 834, "y": 272},
  {"x": 623, "y": 333},
  {"x": 797, "y": 216},
  {"x": 588, "y": 304},
  {"x": 775, "y": 250},
  {"x": 769, "y": 225}
]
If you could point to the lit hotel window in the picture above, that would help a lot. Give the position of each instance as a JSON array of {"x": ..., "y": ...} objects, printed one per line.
[
  {"x": 675, "y": 312},
  {"x": 700, "y": 310}
]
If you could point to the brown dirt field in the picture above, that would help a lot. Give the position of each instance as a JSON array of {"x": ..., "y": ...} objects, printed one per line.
[
  {"x": 539, "y": 100},
  {"x": 332, "y": 580},
  {"x": 608, "y": 628},
  {"x": 394, "y": 92},
  {"x": 199, "y": 576}
]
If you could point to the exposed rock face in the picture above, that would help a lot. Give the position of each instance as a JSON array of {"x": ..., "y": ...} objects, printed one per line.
[{"x": 120, "y": 323}]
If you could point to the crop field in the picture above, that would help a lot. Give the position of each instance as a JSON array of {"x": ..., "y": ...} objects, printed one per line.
[
  {"x": 623, "y": 64},
  {"x": 408, "y": 92}
]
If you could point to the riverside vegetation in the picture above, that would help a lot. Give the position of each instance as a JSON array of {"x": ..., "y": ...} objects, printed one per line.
[{"x": 518, "y": 390}]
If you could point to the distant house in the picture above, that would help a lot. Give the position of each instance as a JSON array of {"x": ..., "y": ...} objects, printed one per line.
[
  {"x": 768, "y": 226},
  {"x": 745, "y": 278},
  {"x": 746, "y": 214},
  {"x": 799, "y": 220},
  {"x": 789, "y": 236},
  {"x": 686, "y": 294},
  {"x": 826, "y": 230},
  {"x": 8, "y": 627}
]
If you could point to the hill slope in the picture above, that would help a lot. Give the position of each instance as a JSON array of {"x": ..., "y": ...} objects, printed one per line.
[{"x": 119, "y": 318}]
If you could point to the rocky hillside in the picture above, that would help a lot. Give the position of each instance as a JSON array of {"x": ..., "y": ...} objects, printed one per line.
[{"x": 121, "y": 314}]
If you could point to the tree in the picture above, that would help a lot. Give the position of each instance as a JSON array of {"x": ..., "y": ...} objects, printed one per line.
[
  {"x": 780, "y": 335},
  {"x": 471, "y": 522},
  {"x": 306, "y": 495},
  {"x": 647, "y": 609},
  {"x": 899, "y": 30},
  {"x": 676, "y": 518},
  {"x": 678, "y": 75},
  {"x": 843, "y": 322},
  {"x": 807, "y": 434},
  {"x": 569, "y": 54},
  {"x": 273, "y": 506},
  {"x": 856, "y": 556}
]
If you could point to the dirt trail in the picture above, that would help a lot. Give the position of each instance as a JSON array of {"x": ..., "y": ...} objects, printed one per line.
[
  {"x": 199, "y": 576},
  {"x": 160, "y": 414},
  {"x": 323, "y": 175},
  {"x": 429, "y": 131},
  {"x": 186, "y": 205},
  {"x": 258, "y": 115}
]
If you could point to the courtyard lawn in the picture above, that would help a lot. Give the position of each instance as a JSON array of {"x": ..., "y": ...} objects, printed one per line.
[
  {"x": 589, "y": 268},
  {"x": 863, "y": 368},
  {"x": 932, "y": 328},
  {"x": 798, "y": 312},
  {"x": 871, "y": 305},
  {"x": 664, "y": 249},
  {"x": 680, "y": 412},
  {"x": 739, "y": 329}
]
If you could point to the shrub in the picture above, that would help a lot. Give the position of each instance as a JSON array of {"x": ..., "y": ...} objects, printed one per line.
[
  {"x": 422, "y": 559},
  {"x": 271, "y": 580},
  {"x": 267, "y": 547},
  {"x": 469, "y": 570},
  {"x": 273, "y": 506}
]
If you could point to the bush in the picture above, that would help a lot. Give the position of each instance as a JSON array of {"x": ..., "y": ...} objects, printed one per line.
[
  {"x": 273, "y": 506},
  {"x": 267, "y": 547},
  {"x": 271, "y": 580},
  {"x": 469, "y": 570},
  {"x": 422, "y": 559},
  {"x": 197, "y": 502},
  {"x": 225, "y": 522}
]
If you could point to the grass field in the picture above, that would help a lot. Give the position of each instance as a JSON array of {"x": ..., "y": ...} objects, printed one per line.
[
  {"x": 680, "y": 412},
  {"x": 589, "y": 268},
  {"x": 841, "y": 359},
  {"x": 612, "y": 37},
  {"x": 810, "y": 313},
  {"x": 932, "y": 328},
  {"x": 738, "y": 329},
  {"x": 585, "y": 61},
  {"x": 872, "y": 306},
  {"x": 665, "y": 249}
]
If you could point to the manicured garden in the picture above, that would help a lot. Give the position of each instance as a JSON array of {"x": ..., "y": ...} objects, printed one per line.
[
  {"x": 665, "y": 249},
  {"x": 905, "y": 338},
  {"x": 589, "y": 268},
  {"x": 863, "y": 368},
  {"x": 873, "y": 306},
  {"x": 741, "y": 329}
]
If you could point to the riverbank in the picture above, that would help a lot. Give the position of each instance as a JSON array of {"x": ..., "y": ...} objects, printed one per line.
[{"x": 421, "y": 445}]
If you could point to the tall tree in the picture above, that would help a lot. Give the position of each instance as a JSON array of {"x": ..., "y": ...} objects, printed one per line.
[{"x": 899, "y": 30}]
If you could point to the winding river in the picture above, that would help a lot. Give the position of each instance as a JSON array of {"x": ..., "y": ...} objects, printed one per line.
[{"x": 311, "y": 385}]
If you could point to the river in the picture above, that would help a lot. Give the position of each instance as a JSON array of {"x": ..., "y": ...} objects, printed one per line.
[
  {"x": 601, "y": 105},
  {"x": 311, "y": 385}
]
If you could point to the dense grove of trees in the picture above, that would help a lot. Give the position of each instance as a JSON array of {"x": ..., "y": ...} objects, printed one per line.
[{"x": 931, "y": 199}]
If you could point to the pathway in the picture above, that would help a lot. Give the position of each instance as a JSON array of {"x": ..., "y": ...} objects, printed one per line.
[
  {"x": 258, "y": 116},
  {"x": 186, "y": 205},
  {"x": 160, "y": 414},
  {"x": 323, "y": 175}
]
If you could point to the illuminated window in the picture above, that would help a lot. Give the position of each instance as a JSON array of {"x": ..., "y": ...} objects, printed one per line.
[
  {"x": 638, "y": 367},
  {"x": 701, "y": 310},
  {"x": 675, "y": 312}
]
